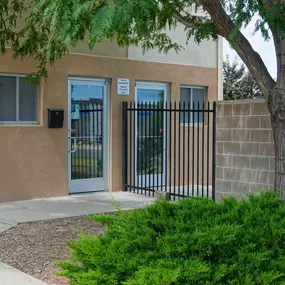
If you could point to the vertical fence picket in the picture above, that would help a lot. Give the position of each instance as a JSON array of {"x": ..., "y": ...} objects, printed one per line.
[
  {"x": 170, "y": 148},
  {"x": 214, "y": 152},
  {"x": 125, "y": 146},
  {"x": 174, "y": 152}
]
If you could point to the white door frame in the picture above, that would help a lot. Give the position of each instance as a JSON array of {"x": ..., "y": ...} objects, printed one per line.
[
  {"x": 147, "y": 85},
  {"x": 82, "y": 185}
]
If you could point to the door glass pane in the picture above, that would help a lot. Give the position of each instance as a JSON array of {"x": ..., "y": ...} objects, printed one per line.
[
  {"x": 87, "y": 129},
  {"x": 7, "y": 98},
  {"x": 27, "y": 101},
  {"x": 150, "y": 132}
]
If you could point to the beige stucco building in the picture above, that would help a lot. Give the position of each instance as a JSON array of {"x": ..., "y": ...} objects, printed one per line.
[{"x": 38, "y": 161}]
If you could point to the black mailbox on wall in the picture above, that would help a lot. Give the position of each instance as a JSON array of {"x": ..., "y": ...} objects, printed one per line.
[{"x": 55, "y": 117}]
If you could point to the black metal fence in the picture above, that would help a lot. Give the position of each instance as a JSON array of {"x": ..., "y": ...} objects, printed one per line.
[{"x": 169, "y": 147}]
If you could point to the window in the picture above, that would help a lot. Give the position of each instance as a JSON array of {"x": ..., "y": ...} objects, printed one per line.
[
  {"x": 191, "y": 96},
  {"x": 18, "y": 100}
]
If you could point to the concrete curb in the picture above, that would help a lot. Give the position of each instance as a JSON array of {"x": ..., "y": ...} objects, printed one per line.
[
  {"x": 6, "y": 224},
  {"x": 12, "y": 276}
]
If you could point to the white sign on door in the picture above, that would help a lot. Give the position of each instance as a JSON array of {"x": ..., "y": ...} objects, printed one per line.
[{"x": 123, "y": 86}]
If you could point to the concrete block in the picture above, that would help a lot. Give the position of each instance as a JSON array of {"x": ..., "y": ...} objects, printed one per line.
[
  {"x": 250, "y": 149},
  {"x": 220, "y": 122},
  {"x": 223, "y": 185},
  {"x": 266, "y": 177},
  {"x": 224, "y": 109},
  {"x": 232, "y": 148},
  {"x": 264, "y": 122},
  {"x": 257, "y": 188},
  {"x": 238, "y": 122},
  {"x": 271, "y": 138},
  {"x": 240, "y": 187},
  {"x": 241, "y": 109},
  {"x": 219, "y": 173},
  {"x": 162, "y": 195},
  {"x": 219, "y": 147},
  {"x": 260, "y": 135},
  {"x": 241, "y": 161},
  {"x": 234, "y": 122},
  {"x": 232, "y": 174},
  {"x": 220, "y": 109},
  {"x": 241, "y": 175},
  {"x": 241, "y": 135},
  {"x": 266, "y": 149},
  {"x": 250, "y": 175},
  {"x": 259, "y": 109},
  {"x": 228, "y": 122},
  {"x": 260, "y": 163},
  {"x": 249, "y": 122},
  {"x": 228, "y": 109},
  {"x": 224, "y": 135},
  {"x": 272, "y": 163},
  {"x": 224, "y": 160}
]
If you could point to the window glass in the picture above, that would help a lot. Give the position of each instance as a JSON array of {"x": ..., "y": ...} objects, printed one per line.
[
  {"x": 185, "y": 95},
  {"x": 27, "y": 101},
  {"x": 189, "y": 98},
  {"x": 198, "y": 99},
  {"x": 185, "y": 98},
  {"x": 18, "y": 100},
  {"x": 7, "y": 98}
]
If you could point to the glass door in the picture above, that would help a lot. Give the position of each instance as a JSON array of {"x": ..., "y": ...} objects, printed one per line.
[
  {"x": 87, "y": 135},
  {"x": 150, "y": 159}
]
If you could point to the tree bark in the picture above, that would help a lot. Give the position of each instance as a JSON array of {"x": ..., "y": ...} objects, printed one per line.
[
  {"x": 273, "y": 91},
  {"x": 242, "y": 46},
  {"x": 276, "y": 107}
]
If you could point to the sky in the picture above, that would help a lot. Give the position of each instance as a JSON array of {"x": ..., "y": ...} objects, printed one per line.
[{"x": 265, "y": 49}]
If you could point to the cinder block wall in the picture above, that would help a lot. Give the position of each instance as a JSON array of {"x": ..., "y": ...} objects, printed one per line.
[{"x": 245, "y": 149}]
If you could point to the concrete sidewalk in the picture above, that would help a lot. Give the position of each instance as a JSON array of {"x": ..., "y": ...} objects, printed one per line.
[
  {"x": 12, "y": 213},
  {"x": 12, "y": 276}
]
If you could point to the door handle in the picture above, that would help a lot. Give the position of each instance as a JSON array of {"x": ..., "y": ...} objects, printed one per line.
[{"x": 75, "y": 145}]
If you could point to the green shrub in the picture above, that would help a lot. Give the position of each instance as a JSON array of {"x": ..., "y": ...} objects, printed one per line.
[{"x": 193, "y": 241}]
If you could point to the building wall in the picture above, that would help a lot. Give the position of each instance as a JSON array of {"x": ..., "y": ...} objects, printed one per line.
[
  {"x": 107, "y": 48},
  {"x": 245, "y": 148},
  {"x": 204, "y": 54},
  {"x": 34, "y": 159}
]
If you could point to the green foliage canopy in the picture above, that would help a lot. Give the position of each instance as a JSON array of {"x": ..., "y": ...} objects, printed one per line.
[
  {"x": 52, "y": 26},
  {"x": 238, "y": 83}
]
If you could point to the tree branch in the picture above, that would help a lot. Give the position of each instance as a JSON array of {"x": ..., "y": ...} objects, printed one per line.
[
  {"x": 242, "y": 46},
  {"x": 185, "y": 21}
]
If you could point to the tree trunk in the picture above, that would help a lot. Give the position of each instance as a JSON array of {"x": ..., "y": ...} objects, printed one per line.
[{"x": 276, "y": 107}]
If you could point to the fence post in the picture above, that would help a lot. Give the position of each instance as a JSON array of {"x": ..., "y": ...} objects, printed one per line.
[
  {"x": 214, "y": 154},
  {"x": 125, "y": 146}
]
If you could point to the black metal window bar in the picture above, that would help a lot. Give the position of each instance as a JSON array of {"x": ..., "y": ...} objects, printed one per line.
[{"x": 169, "y": 147}]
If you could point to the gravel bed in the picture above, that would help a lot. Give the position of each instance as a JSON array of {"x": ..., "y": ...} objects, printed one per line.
[{"x": 33, "y": 247}]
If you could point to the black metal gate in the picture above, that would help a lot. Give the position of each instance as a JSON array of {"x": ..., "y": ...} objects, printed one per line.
[{"x": 169, "y": 147}]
